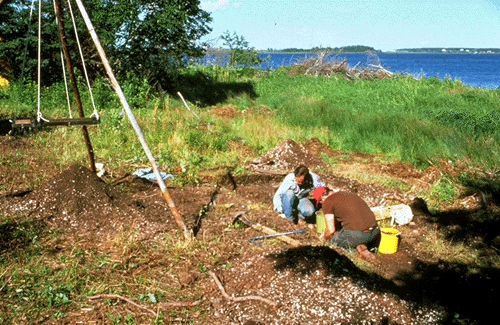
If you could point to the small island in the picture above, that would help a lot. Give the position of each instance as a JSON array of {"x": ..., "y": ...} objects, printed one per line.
[
  {"x": 342, "y": 49},
  {"x": 364, "y": 48}
]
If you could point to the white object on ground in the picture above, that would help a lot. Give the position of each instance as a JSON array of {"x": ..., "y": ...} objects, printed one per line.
[
  {"x": 401, "y": 213},
  {"x": 100, "y": 169}
]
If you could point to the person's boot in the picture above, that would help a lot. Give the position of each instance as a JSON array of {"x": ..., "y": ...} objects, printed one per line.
[{"x": 364, "y": 253}]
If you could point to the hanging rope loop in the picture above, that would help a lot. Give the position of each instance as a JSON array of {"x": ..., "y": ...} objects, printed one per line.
[
  {"x": 95, "y": 113},
  {"x": 40, "y": 119}
]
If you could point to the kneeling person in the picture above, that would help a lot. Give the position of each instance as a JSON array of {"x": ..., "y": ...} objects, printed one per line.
[
  {"x": 291, "y": 200},
  {"x": 350, "y": 222}
]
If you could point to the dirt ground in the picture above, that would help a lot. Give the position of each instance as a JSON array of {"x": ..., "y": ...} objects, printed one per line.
[{"x": 271, "y": 281}]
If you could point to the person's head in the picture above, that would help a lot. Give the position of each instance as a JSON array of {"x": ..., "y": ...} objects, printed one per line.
[
  {"x": 320, "y": 193},
  {"x": 301, "y": 172}
]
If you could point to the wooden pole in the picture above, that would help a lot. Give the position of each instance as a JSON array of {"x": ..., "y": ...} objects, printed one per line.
[
  {"x": 185, "y": 104},
  {"x": 133, "y": 121},
  {"x": 76, "y": 93}
]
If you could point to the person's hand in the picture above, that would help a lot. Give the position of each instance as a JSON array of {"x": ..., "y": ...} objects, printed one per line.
[
  {"x": 326, "y": 234},
  {"x": 302, "y": 194},
  {"x": 295, "y": 189}
]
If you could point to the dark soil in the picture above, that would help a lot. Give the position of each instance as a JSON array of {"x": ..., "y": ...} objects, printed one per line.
[{"x": 311, "y": 283}]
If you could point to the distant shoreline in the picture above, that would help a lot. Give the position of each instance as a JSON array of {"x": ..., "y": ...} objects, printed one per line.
[
  {"x": 367, "y": 49},
  {"x": 392, "y": 52}
]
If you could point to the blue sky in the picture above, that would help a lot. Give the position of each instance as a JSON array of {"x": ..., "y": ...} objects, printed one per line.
[{"x": 383, "y": 24}]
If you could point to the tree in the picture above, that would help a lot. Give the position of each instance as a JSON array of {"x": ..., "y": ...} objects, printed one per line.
[
  {"x": 15, "y": 35},
  {"x": 150, "y": 38},
  {"x": 240, "y": 53}
]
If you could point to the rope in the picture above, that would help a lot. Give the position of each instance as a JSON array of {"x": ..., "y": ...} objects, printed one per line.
[
  {"x": 63, "y": 70},
  {"x": 39, "y": 55},
  {"x": 65, "y": 84},
  {"x": 23, "y": 67},
  {"x": 38, "y": 113},
  {"x": 95, "y": 113}
]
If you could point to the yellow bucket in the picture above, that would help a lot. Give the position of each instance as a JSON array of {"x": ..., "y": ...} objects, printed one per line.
[
  {"x": 388, "y": 240},
  {"x": 320, "y": 222}
]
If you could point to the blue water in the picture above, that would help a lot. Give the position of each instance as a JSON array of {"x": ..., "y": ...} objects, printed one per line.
[{"x": 476, "y": 70}]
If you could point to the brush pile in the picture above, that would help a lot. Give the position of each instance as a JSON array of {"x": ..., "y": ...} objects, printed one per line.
[{"x": 320, "y": 65}]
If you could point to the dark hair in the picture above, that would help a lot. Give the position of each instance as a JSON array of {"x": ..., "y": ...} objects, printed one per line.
[{"x": 303, "y": 170}]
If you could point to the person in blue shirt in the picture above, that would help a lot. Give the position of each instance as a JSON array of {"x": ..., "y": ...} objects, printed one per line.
[{"x": 291, "y": 199}]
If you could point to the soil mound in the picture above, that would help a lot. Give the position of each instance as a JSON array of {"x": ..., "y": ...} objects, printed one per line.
[
  {"x": 285, "y": 157},
  {"x": 76, "y": 197},
  {"x": 74, "y": 190},
  {"x": 78, "y": 201}
]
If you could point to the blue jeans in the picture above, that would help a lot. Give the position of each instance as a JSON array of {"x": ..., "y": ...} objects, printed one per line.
[
  {"x": 349, "y": 239},
  {"x": 292, "y": 204}
]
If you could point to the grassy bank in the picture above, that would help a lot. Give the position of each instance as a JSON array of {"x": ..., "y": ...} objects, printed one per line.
[
  {"x": 403, "y": 118},
  {"x": 417, "y": 121}
]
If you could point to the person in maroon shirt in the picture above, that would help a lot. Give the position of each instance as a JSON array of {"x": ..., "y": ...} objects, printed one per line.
[{"x": 350, "y": 223}]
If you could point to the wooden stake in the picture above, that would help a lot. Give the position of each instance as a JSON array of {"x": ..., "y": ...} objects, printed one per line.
[
  {"x": 112, "y": 296},
  {"x": 133, "y": 121},
  {"x": 185, "y": 104}
]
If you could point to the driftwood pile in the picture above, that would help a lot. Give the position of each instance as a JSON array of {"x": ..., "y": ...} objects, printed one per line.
[{"x": 319, "y": 65}]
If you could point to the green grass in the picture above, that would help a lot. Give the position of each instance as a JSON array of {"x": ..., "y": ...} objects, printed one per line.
[
  {"x": 444, "y": 190},
  {"x": 417, "y": 121},
  {"x": 45, "y": 278},
  {"x": 406, "y": 119}
]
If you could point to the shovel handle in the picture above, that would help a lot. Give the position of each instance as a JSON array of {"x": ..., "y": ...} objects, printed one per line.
[{"x": 279, "y": 234}]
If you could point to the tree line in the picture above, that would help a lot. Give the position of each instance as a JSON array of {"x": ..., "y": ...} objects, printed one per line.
[
  {"x": 148, "y": 38},
  {"x": 152, "y": 39},
  {"x": 342, "y": 49}
]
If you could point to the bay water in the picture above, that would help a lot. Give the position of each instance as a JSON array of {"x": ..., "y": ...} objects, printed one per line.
[{"x": 477, "y": 70}]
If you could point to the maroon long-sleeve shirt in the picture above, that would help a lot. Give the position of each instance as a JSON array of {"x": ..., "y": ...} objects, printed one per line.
[{"x": 350, "y": 211}]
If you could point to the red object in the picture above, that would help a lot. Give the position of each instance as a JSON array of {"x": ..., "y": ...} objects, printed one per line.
[
  {"x": 317, "y": 193},
  {"x": 327, "y": 234}
]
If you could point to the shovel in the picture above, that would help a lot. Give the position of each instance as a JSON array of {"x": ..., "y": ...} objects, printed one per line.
[
  {"x": 240, "y": 217},
  {"x": 254, "y": 239}
]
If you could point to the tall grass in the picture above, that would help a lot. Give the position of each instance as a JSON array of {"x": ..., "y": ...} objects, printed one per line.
[
  {"x": 418, "y": 121},
  {"x": 407, "y": 119}
]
